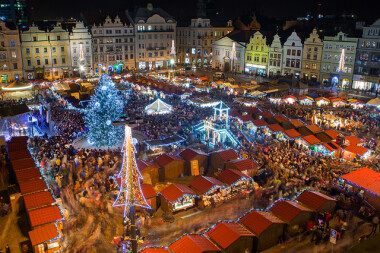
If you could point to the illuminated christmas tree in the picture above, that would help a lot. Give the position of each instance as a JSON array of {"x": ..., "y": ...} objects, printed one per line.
[{"x": 106, "y": 106}]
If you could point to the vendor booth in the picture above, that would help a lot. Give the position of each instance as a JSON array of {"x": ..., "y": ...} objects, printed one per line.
[
  {"x": 305, "y": 100},
  {"x": 322, "y": 101},
  {"x": 338, "y": 102},
  {"x": 237, "y": 181},
  {"x": 177, "y": 197},
  {"x": 290, "y": 99},
  {"x": 210, "y": 190},
  {"x": 317, "y": 201},
  {"x": 158, "y": 107}
]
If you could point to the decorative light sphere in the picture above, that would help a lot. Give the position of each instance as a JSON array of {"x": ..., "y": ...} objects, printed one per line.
[
  {"x": 97, "y": 104},
  {"x": 104, "y": 87},
  {"x": 108, "y": 122}
]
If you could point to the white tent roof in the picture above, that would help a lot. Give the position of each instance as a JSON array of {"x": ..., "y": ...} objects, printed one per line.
[
  {"x": 374, "y": 102},
  {"x": 257, "y": 93},
  {"x": 158, "y": 107},
  {"x": 61, "y": 86}
]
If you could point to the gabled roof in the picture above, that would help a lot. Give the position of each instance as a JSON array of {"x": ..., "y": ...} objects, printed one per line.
[
  {"x": 289, "y": 96},
  {"x": 259, "y": 221},
  {"x": 245, "y": 164},
  {"x": 259, "y": 122},
  {"x": 155, "y": 250},
  {"x": 226, "y": 233},
  {"x": 311, "y": 140},
  {"x": 287, "y": 125},
  {"x": 227, "y": 155},
  {"x": 23, "y": 164},
  {"x": 148, "y": 191},
  {"x": 28, "y": 174},
  {"x": 332, "y": 133},
  {"x": 43, "y": 234},
  {"x": 32, "y": 186},
  {"x": 193, "y": 244},
  {"x": 165, "y": 159},
  {"x": 313, "y": 199},
  {"x": 175, "y": 191},
  {"x": 38, "y": 199},
  {"x": 275, "y": 128},
  {"x": 356, "y": 149},
  {"x": 305, "y": 97},
  {"x": 322, "y": 98},
  {"x": 353, "y": 140},
  {"x": 18, "y": 155},
  {"x": 143, "y": 164},
  {"x": 44, "y": 215},
  {"x": 246, "y": 118},
  {"x": 323, "y": 137},
  {"x": 203, "y": 184},
  {"x": 281, "y": 118},
  {"x": 297, "y": 123},
  {"x": 292, "y": 133},
  {"x": 266, "y": 114},
  {"x": 231, "y": 176},
  {"x": 314, "y": 129},
  {"x": 338, "y": 100},
  {"x": 189, "y": 154},
  {"x": 288, "y": 210},
  {"x": 304, "y": 131},
  {"x": 365, "y": 178},
  {"x": 331, "y": 146}
]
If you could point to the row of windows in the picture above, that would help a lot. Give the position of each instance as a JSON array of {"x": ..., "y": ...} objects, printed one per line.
[
  {"x": 45, "y": 50},
  {"x": 5, "y": 66},
  {"x": 275, "y": 56},
  {"x": 112, "y": 48},
  {"x": 328, "y": 68},
  {"x": 155, "y": 36},
  {"x": 109, "y": 40},
  {"x": 154, "y": 28},
  {"x": 110, "y": 31},
  {"x": 199, "y": 42},
  {"x": 370, "y": 44},
  {"x": 308, "y": 56},
  {"x": 313, "y": 66},
  {"x": 35, "y": 38},
  {"x": 338, "y": 47},
  {"x": 113, "y": 57},
  {"x": 256, "y": 59},
  {"x": 293, "y": 52},
  {"x": 337, "y": 58},
  {"x": 202, "y": 33},
  {"x": 293, "y": 63},
  {"x": 366, "y": 57},
  {"x": 2, "y": 43},
  {"x": 274, "y": 63},
  {"x": 46, "y": 61}
]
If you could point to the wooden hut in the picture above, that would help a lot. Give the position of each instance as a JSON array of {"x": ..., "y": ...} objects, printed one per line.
[
  {"x": 267, "y": 228},
  {"x": 150, "y": 195},
  {"x": 196, "y": 162},
  {"x": 45, "y": 239},
  {"x": 194, "y": 244},
  {"x": 209, "y": 190},
  {"x": 247, "y": 166},
  {"x": 218, "y": 159},
  {"x": 171, "y": 166},
  {"x": 317, "y": 201},
  {"x": 177, "y": 197},
  {"x": 149, "y": 171},
  {"x": 231, "y": 237}
]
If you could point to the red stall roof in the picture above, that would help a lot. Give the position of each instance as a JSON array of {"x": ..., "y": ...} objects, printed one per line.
[
  {"x": 143, "y": 164},
  {"x": 259, "y": 122},
  {"x": 227, "y": 155},
  {"x": 288, "y": 210},
  {"x": 353, "y": 140},
  {"x": 43, "y": 234},
  {"x": 17, "y": 155},
  {"x": 332, "y": 133},
  {"x": 281, "y": 118},
  {"x": 193, "y": 244},
  {"x": 311, "y": 140},
  {"x": 32, "y": 186},
  {"x": 165, "y": 159},
  {"x": 259, "y": 221},
  {"x": 292, "y": 133},
  {"x": 175, "y": 191},
  {"x": 313, "y": 199},
  {"x": 155, "y": 250},
  {"x": 189, "y": 154},
  {"x": 275, "y": 128},
  {"x": 266, "y": 114},
  {"x": 44, "y": 215},
  {"x": 23, "y": 139},
  {"x": 365, "y": 178},
  {"x": 38, "y": 199},
  {"x": 230, "y": 176},
  {"x": 331, "y": 146},
  {"x": 356, "y": 149},
  {"x": 23, "y": 164},
  {"x": 16, "y": 146},
  {"x": 203, "y": 184},
  {"x": 314, "y": 129},
  {"x": 297, "y": 123},
  {"x": 24, "y": 175},
  {"x": 148, "y": 191},
  {"x": 245, "y": 164},
  {"x": 226, "y": 233}
]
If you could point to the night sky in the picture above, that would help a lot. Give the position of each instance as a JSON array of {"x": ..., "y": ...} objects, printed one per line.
[{"x": 365, "y": 9}]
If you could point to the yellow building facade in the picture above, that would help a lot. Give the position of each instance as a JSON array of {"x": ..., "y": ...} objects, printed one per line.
[
  {"x": 256, "y": 56},
  {"x": 311, "y": 58},
  {"x": 46, "y": 55}
]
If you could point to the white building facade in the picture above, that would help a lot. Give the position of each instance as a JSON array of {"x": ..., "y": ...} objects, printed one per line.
[
  {"x": 275, "y": 57},
  {"x": 155, "y": 38},
  {"x": 113, "y": 46},
  {"x": 81, "y": 49},
  {"x": 292, "y": 55}
]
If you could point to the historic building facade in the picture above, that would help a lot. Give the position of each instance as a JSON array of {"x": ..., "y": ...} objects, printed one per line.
[
  {"x": 81, "y": 49},
  {"x": 113, "y": 46},
  {"x": 367, "y": 64},
  {"x": 292, "y": 55},
  {"x": 46, "y": 54},
  {"x": 334, "y": 49},
  {"x": 256, "y": 55},
  {"x": 194, "y": 42},
  {"x": 275, "y": 57},
  {"x": 155, "y": 38},
  {"x": 10, "y": 55},
  {"x": 311, "y": 59}
]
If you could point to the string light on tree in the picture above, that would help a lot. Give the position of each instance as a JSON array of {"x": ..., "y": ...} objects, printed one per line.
[{"x": 106, "y": 106}]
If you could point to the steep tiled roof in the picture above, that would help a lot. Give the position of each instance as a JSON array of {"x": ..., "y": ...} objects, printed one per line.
[
  {"x": 245, "y": 118},
  {"x": 165, "y": 159},
  {"x": 32, "y": 186},
  {"x": 259, "y": 221},
  {"x": 228, "y": 154},
  {"x": 266, "y": 114},
  {"x": 313, "y": 199},
  {"x": 44, "y": 215},
  {"x": 43, "y": 234},
  {"x": 17, "y": 155},
  {"x": 193, "y": 244},
  {"x": 203, "y": 184},
  {"x": 175, "y": 191},
  {"x": 38, "y": 199},
  {"x": 189, "y": 154},
  {"x": 230, "y": 176},
  {"x": 226, "y": 233},
  {"x": 288, "y": 210},
  {"x": 331, "y": 146}
]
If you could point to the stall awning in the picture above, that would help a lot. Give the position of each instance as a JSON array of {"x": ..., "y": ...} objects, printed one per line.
[
  {"x": 38, "y": 199},
  {"x": 27, "y": 174},
  {"x": 44, "y": 215},
  {"x": 23, "y": 164},
  {"x": 43, "y": 234},
  {"x": 32, "y": 186}
]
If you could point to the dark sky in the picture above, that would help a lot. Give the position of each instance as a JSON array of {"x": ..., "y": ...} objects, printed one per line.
[{"x": 365, "y": 9}]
